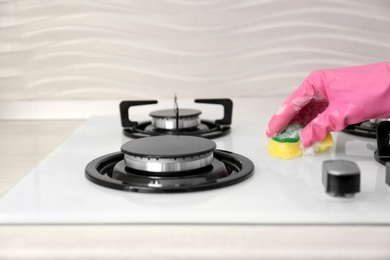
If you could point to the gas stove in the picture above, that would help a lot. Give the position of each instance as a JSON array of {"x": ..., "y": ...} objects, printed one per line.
[
  {"x": 274, "y": 191},
  {"x": 173, "y": 155}
]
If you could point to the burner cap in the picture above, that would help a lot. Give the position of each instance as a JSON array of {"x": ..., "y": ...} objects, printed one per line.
[
  {"x": 171, "y": 113},
  {"x": 168, "y": 153},
  {"x": 166, "y": 118}
]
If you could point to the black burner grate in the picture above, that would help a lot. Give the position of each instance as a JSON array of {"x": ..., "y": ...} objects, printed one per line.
[{"x": 363, "y": 129}]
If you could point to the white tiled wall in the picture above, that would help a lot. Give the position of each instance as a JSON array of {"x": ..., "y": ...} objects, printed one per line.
[{"x": 137, "y": 49}]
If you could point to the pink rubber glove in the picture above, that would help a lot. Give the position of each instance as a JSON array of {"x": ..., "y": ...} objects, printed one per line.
[{"x": 329, "y": 100}]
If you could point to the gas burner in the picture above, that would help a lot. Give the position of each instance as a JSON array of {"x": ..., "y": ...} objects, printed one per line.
[
  {"x": 177, "y": 121},
  {"x": 365, "y": 128},
  {"x": 163, "y": 164},
  {"x": 382, "y": 154}
]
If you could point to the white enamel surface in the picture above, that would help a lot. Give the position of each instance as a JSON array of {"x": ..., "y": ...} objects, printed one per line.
[{"x": 281, "y": 191}]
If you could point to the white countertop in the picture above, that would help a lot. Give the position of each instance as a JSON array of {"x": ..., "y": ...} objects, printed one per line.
[{"x": 32, "y": 140}]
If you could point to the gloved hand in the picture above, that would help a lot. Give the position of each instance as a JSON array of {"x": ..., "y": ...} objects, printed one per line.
[{"x": 329, "y": 100}]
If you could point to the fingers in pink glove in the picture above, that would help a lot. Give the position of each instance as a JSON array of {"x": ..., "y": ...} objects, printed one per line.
[
  {"x": 306, "y": 93},
  {"x": 317, "y": 129},
  {"x": 331, "y": 120}
]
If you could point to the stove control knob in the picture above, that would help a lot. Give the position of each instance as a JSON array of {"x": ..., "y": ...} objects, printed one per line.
[
  {"x": 383, "y": 140},
  {"x": 388, "y": 173},
  {"x": 341, "y": 178}
]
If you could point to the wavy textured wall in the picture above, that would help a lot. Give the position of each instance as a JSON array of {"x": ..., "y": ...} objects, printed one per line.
[{"x": 101, "y": 49}]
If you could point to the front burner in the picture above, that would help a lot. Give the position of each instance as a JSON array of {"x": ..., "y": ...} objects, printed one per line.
[
  {"x": 165, "y": 164},
  {"x": 177, "y": 121}
]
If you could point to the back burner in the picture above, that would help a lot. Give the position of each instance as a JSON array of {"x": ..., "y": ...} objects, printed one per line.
[
  {"x": 177, "y": 121},
  {"x": 365, "y": 128}
]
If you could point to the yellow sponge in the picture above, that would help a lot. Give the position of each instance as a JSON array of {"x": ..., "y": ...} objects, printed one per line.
[{"x": 287, "y": 145}]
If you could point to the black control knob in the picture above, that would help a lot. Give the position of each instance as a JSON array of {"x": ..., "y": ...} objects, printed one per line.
[
  {"x": 387, "y": 173},
  {"x": 341, "y": 178},
  {"x": 382, "y": 154}
]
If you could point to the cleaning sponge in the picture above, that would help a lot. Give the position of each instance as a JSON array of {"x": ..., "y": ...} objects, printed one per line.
[{"x": 286, "y": 145}]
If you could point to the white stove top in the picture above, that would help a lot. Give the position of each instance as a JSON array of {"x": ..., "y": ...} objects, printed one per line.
[{"x": 280, "y": 191}]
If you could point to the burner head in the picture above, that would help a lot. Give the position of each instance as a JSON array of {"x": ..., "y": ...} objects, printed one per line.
[
  {"x": 168, "y": 119},
  {"x": 168, "y": 153}
]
